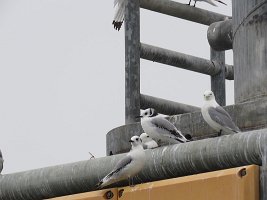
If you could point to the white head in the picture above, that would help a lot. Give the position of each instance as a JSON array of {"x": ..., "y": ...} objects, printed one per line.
[
  {"x": 208, "y": 95},
  {"x": 135, "y": 141},
  {"x": 145, "y": 138},
  {"x": 150, "y": 112}
]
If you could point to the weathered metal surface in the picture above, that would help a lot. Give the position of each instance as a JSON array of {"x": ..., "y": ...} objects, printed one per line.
[
  {"x": 228, "y": 184},
  {"x": 165, "y": 106},
  {"x": 132, "y": 61},
  {"x": 218, "y": 80},
  {"x": 263, "y": 176},
  {"x": 250, "y": 49},
  {"x": 192, "y": 63},
  {"x": 166, "y": 162},
  {"x": 117, "y": 140},
  {"x": 220, "y": 35},
  {"x": 183, "y": 11},
  {"x": 248, "y": 116}
]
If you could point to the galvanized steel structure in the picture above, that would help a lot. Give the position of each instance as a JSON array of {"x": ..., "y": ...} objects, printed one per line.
[{"x": 246, "y": 33}]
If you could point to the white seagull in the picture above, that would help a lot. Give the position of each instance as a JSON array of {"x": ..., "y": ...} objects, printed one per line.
[
  {"x": 148, "y": 142},
  {"x": 127, "y": 167},
  {"x": 208, "y": 1},
  {"x": 1, "y": 162},
  {"x": 159, "y": 128},
  {"x": 216, "y": 116},
  {"x": 119, "y": 14}
]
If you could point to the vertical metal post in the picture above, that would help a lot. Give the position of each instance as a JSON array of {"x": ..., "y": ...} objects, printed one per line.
[
  {"x": 250, "y": 49},
  {"x": 218, "y": 80},
  {"x": 132, "y": 61},
  {"x": 263, "y": 176}
]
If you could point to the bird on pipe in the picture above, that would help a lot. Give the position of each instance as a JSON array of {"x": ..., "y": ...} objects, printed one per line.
[
  {"x": 216, "y": 117},
  {"x": 159, "y": 128},
  {"x": 119, "y": 14},
  {"x": 128, "y": 166},
  {"x": 208, "y": 1},
  {"x": 148, "y": 142}
]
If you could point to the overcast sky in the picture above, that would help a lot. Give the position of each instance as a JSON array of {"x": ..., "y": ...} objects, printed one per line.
[{"x": 62, "y": 76}]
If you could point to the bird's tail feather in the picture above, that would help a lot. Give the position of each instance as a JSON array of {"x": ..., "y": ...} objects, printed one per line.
[
  {"x": 221, "y": 2},
  {"x": 211, "y": 2},
  {"x": 119, "y": 15},
  {"x": 99, "y": 185}
]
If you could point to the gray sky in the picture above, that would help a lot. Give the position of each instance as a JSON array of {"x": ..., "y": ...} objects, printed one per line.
[{"x": 62, "y": 76}]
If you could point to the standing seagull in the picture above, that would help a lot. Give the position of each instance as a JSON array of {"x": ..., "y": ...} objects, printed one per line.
[
  {"x": 1, "y": 162},
  {"x": 216, "y": 116},
  {"x": 159, "y": 128},
  {"x": 119, "y": 14},
  {"x": 127, "y": 167},
  {"x": 208, "y": 1},
  {"x": 148, "y": 142}
]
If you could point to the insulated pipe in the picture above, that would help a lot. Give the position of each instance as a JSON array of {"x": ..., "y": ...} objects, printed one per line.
[
  {"x": 192, "y": 63},
  {"x": 182, "y": 11},
  {"x": 165, "y": 106},
  {"x": 220, "y": 35},
  {"x": 166, "y": 162}
]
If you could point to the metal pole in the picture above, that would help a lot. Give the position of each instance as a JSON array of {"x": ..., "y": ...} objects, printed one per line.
[
  {"x": 192, "y": 63},
  {"x": 263, "y": 176},
  {"x": 183, "y": 11},
  {"x": 218, "y": 80},
  {"x": 132, "y": 61},
  {"x": 165, "y": 106},
  {"x": 250, "y": 49},
  {"x": 161, "y": 163},
  {"x": 220, "y": 35}
]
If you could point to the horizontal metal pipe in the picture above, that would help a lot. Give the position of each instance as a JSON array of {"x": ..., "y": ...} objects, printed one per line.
[
  {"x": 192, "y": 63},
  {"x": 161, "y": 163},
  {"x": 182, "y": 11},
  {"x": 165, "y": 106},
  {"x": 220, "y": 35}
]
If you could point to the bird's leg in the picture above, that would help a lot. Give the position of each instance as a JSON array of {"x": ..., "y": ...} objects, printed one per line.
[
  {"x": 189, "y": 2},
  {"x": 220, "y": 133},
  {"x": 131, "y": 181},
  {"x": 195, "y": 4}
]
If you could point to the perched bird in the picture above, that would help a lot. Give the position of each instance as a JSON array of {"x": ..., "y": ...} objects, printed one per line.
[
  {"x": 216, "y": 116},
  {"x": 119, "y": 14},
  {"x": 127, "y": 167},
  {"x": 148, "y": 142},
  {"x": 159, "y": 128},
  {"x": 208, "y": 1},
  {"x": 1, "y": 162}
]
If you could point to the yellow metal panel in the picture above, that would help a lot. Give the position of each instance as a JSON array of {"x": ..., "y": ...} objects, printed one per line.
[
  {"x": 220, "y": 185},
  {"x": 97, "y": 195},
  {"x": 240, "y": 183}
]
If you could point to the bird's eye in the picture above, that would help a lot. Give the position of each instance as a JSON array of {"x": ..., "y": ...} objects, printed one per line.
[
  {"x": 136, "y": 139},
  {"x": 145, "y": 113},
  {"x": 147, "y": 136}
]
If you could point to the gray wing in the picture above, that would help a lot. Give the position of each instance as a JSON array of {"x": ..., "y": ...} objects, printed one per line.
[
  {"x": 222, "y": 117},
  {"x": 170, "y": 129},
  {"x": 120, "y": 165},
  {"x": 1, "y": 164}
]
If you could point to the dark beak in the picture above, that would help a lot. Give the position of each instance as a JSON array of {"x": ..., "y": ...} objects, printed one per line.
[
  {"x": 130, "y": 141},
  {"x": 138, "y": 117}
]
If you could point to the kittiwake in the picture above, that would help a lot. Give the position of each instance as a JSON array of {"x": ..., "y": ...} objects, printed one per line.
[
  {"x": 119, "y": 14},
  {"x": 159, "y": 128},
  {"x": 148, "y": 142},
  {"x": 216, "y": 116},
  {"x": 208, "y": 1},
  {"x": 127, "y": 167}
]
